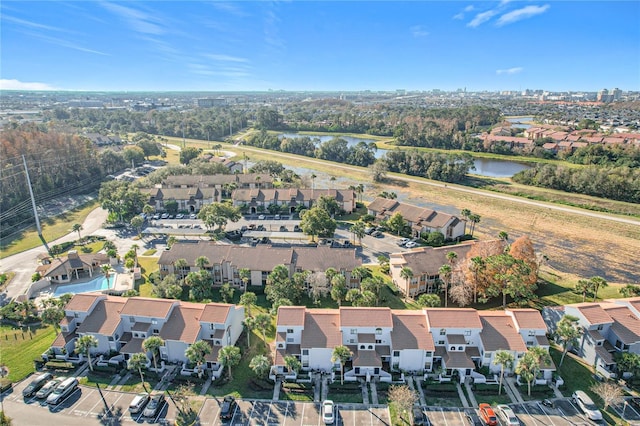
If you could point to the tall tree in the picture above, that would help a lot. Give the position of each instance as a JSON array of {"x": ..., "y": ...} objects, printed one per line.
[
  {"x": 465, "y": 213},
  {"x": 341, "y": 354},
  {"x": 202, "y": 262},
  {"x": 403, "y": 397},
  {"x": 567, "y": 331},
  {"x": 84, "y": 344},
  {"x": 229, "y": 356},
  {"x": 504, "y": 359},
  {"x": 475, "y": 219},
  {"x": 263, "y": 321},
  {"x": 249, "y": 324},
  {"x": 396, "y": 223},
  {"x": 196, "y": 353},
  {"x": 248, "y": 299},
  {"x": 429, "y": 300},
  {"x": 583, "y": 286},
  {"x": 610, "y": 393},
  {"x": 596, "y": 284},
  {"x": 316, "y": 221},
  {"x": 509, "y": 278},
  {"x": 137, "y": 362},
  {"x": 338, "y": 288},
  {"x": 357, "y": 229},
  {"x": 292, "y": 363},
  {"x": 153, "y": 344},
  {"x": 445, "y": 276},
  {"x": 406, "y": 273},
  {"x": 245, "y": 277},
  {"x": 529, "y": 365},
  {"x": 53, "y": 315},
  {"x": 77, "y": 228}
]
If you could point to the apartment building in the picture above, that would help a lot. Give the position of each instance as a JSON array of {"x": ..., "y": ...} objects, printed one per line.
[{"x": 290, "y": 199}]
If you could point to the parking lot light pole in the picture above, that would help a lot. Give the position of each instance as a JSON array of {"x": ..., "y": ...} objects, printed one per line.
[{"x": 624, "y": 409}]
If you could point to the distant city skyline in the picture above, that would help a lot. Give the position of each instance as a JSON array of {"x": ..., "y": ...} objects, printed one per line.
[{"x": 320, "y": 46}]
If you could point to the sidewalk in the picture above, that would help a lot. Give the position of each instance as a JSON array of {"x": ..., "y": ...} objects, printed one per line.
[
  {"x": 510, "y": 384},
  {"x": 423, "y": 401},
  {"x": 472, "y": 398}
]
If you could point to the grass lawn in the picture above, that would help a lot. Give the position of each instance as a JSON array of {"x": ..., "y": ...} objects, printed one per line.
[
  {"x": 489, "y": 394},
  {"x": 349, "y": 392},
  {"x": 148, "y": 264},
  {"x": 578, "y": 376},
  {"x": 52, "y": 229},
  {"x": 19, "y": 347}
]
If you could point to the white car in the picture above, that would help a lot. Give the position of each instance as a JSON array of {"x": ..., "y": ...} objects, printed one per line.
[
  {"x": 328, "y": 416},
  {"x": 411, "y": 244},
  {"x": 507, "y": 415},
  {"x": 179, "y": 216},
  {"x": 586, "y": 404},
  {"x": 403, "y": 241},
  {"x": 261, "y": 217},
  {"x": 193, "y": 216}
]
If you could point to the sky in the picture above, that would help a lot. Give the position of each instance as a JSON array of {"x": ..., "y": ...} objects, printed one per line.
[{"x": 316, "y": 46}]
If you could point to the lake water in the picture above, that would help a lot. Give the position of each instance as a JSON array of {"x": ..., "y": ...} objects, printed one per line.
[
  {"x": 519, "y": 122},
  {"x": 484, "y": 166},
  {"x": 497, "y": 168}
]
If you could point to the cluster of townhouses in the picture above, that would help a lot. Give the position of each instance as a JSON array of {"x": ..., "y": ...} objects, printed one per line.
[
  {"x": 560, "y": 140},
  {"x": 290, "y": 200},
  {"x": 608, "y": 328},
  {"x": 225, "y": 261},
  {"x": 419, "y": 219},
  {"x": 120, "y": 326},
  {"x": 382, "y": 340}
]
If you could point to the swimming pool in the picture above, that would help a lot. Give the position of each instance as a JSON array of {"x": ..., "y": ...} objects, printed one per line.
[{"x": 96, "y": 284}]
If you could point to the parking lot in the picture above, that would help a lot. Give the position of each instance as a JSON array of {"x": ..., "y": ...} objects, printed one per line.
[
  {"x": 563, "y": 413},
  {"x": 86, "y": 402}
]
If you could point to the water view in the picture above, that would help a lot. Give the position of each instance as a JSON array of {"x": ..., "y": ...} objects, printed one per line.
[
  {"x": 519, "y": 122},
  {"x": 497, "y": 168},
  {"x": 97, "y": 284}
]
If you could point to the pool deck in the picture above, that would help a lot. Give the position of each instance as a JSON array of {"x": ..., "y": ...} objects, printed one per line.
[{"x": 123, "y": 282}]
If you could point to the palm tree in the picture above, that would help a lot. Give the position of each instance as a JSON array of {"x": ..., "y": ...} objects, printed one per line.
[
  {"x": 583, "y": 286},
  {"x": 407, "y": 274},
  {"x": 77, "y": 228},
  {"x": 465, "y": 213},
  {"x": 138, "y": 362},
  {"x": 249, "y": 324},
  {"x": 106, "y": 269},
  {"x": 135, "y": 248},
  {"x": 568, "y": 331},
  {"x": 260, "y": 365},
  {"x": 245, "y": 276},
  {"x": 357, "y": 229},
  {"x": 445, "y": 275},
  {"x": 263, "y": 321},
  {"x": 313, "y": 181},
  {"x": 341, "y": 354},
  {"x": 181, "y": 265},
  {"x": 503, "y": 236},
  {"x": 152, "y": 344},
  {"x": 332, "y": 179},
  {"x": 360, "y": 191},
  {"x": 84, "y": 344},
  {"x": 229, "y": 356},
  {"x": 529, "y": 365},
  {"x": 474, "y": 218},
  {"x": 452, "y": 256},
  {"x": 247, "y": 300},
  {"x": 292, "y": 363},
  {"x": 360, "y": 273},
  {"x": 596, "y": 284},
  {"x": 197, "y": 353},
  {"x": 477, "y": 265},
  {"x": 202, "y": 262},
  {"x": 503, "y": 359}
]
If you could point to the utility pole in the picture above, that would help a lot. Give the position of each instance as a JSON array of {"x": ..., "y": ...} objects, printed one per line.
[{"x": 33, "y": 204}]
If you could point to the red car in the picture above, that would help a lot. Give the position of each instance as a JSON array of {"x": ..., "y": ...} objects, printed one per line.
[{"x": 488, "y": 415}]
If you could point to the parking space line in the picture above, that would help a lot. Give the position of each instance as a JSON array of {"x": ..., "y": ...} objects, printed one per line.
[
  {"x": 444, "y": 417},
  {"x": 545, "y": 413},
  {"x": 524, "y": 406},
  {"x": 80, "y": 401},
  {"x": 461, "y": 417},
  {"x": 253, "y": 407}
]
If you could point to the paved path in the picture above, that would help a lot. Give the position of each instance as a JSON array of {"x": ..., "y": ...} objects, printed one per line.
[
  {"x": 472, "y": 398},
  {"x": 459, "y": 188},
  {"x": 462, "y": 396},
  {"x": 374, "y": 392},
  {"x": 317, "y": 389},
  {"x": 510, "y": 383},
  {"x": 364, "y": 387},
  {"x": 276, "y": 390}
]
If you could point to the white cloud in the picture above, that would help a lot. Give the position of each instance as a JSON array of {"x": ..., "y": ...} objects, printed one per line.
[
  {"x": 510, "y": 71},
  {"x": 460, "y": 16},
  {"x": 226, "y": 58},
  {"x": 138, "y": 20},
  {"x": 231, "y": 8},
  {"x": 520, "y": 14},
  {"x": 481, "y": 18},
  {"x": 12, "y": 84},
  {"x": 31, "y": 24},
  {"x": 418, "y": 31},
  {"x": 469, "y": 8}
]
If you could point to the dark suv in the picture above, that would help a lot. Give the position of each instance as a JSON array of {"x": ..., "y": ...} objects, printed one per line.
[{"x": 228, "y": 407}]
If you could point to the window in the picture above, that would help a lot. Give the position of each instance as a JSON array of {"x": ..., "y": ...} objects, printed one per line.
[
  {"x": 378, "y": 342},
  {"x": 76, "y": 315},
  {"x": 440, "y": 342},
  {"x": 600, "y": 327},
  {"x": 443, "y": 332},
  {"x": 132, "y": 319},
  {"x": 396, "y": 353},
  {"x": 354, "y": 331},
  {"x": 378, "y": 331},
  {"x": 370, "y": 347},
  {"x": 289, "y": 339},
  {"x": 154, "y": 322},
  {"x": 305, "y": 352},
  {"x": 280, "y": 345},
  {"x": 212, "y": 327},
  {"x": 289, "y": 330},
  {"x": 361, "y": 346},
  {"x": 467, "y": 332},
  {"x": 487, "y": 355},
  {"x": 532, "y": 332},
  {"x": 156, "y": 331},
  {"x": 461, "y": 348}
]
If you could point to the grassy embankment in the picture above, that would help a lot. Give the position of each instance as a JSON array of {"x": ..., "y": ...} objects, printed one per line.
[
  {"x": 52, "y": 229},
  {"x": 19, "y": 346}
]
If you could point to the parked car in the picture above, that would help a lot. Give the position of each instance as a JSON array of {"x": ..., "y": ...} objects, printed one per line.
[
  {"x": 507, "y": 415},
  {"x": 164, "y": 216},
  {"x": 411, "y": 244},
  {"x": 228, "y": 408},
  {"x": 369, "y": 230},
  {"x": 377, "y": 234},
  {"x": 62, "y": 391},
  {"x": 36, "y": 384},
  {"x": 193, "y": 216},
  {"x": 155, "y": 216},
  {"x": 262, "y": 217},
  {"x": 585, "y": 403},
  {"x": 403, "y": 241},
  {"x": 328, "y": 416},
  {"x": 419, "y": 418},
  {"x": 154, "y": 406},
  {"x": 138, "y": 403},
  {"x": 297, "y": 228},
  {"x": 276, "y": 217},
  {"x": 346, "y": 243},
  {"x": 283, "y": 228},
  {"x": 46, "y": 390},
  {"x": 179, "y": 216},
  {"x": 488, "y": 415}
]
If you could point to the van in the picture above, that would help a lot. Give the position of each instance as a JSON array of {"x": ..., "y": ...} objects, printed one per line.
[
  {"x": 138, "y": 403},
  {"x": 36, "y": 384},
  {"x": 62, "y": 391}
]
